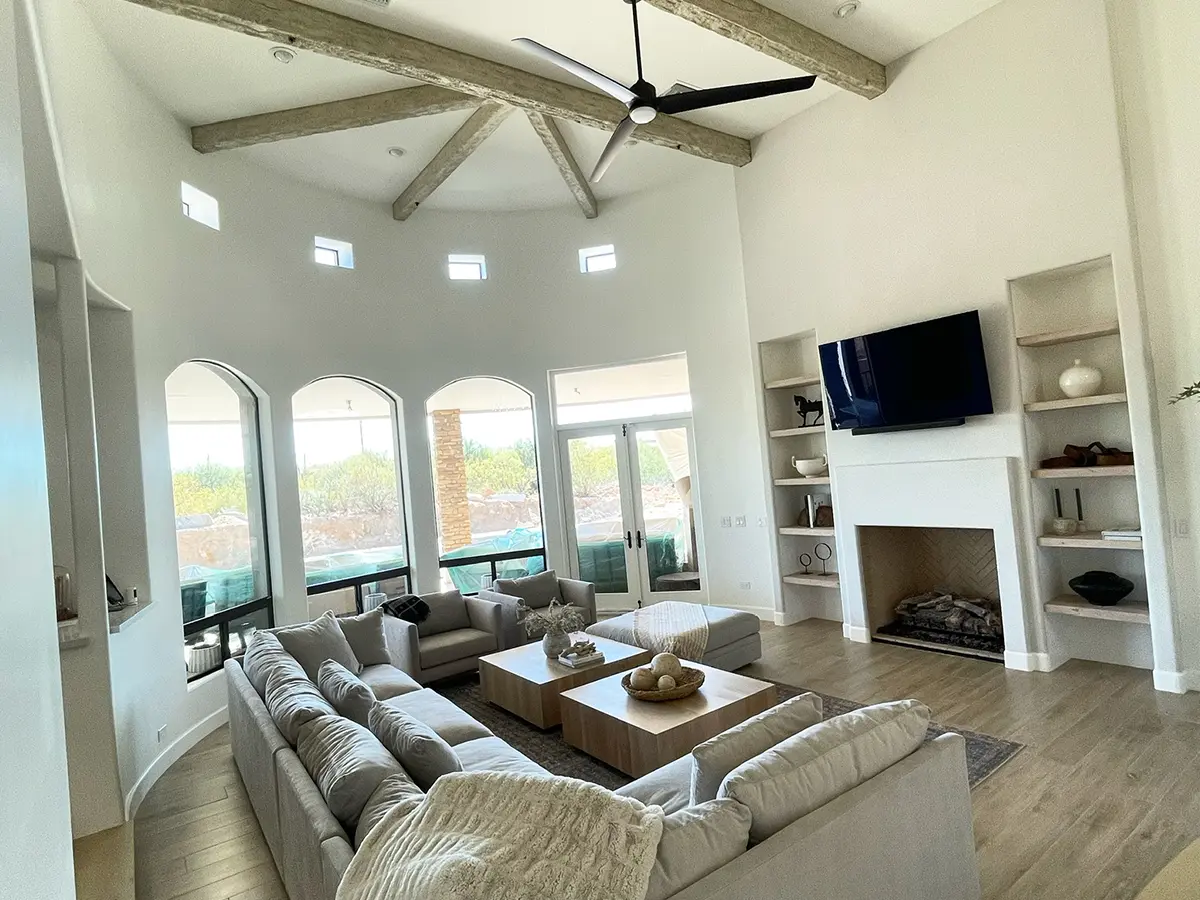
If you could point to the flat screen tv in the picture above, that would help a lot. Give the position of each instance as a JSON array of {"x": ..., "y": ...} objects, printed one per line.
[{"x": 928, "y": 375}]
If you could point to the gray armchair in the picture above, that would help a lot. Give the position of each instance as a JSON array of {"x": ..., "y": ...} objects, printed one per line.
[
  {"x": 537, "y": 591},
  {"x": 458, "y": 631}
]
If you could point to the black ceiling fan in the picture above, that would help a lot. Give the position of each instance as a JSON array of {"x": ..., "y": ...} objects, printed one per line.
[{"x": 644, "y": 102}]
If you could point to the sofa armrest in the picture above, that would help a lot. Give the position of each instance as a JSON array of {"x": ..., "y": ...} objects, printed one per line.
[
  {"x": 581, "y": 594},
  {"x": 486, "y": 615},
  {"x": 512, "y": 632},
  {"x": 402, "y": 644}
]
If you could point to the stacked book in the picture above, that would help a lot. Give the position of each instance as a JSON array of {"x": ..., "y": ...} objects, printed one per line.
[
  {"x": 581, "y": 662},
  {"x": 1131, "y": 533}
]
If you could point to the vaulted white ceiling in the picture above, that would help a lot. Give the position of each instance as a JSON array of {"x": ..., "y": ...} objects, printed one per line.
[{"x": 205, "y": 74}]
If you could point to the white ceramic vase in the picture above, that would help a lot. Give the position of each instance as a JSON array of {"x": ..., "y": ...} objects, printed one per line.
[
  {"x": 555, "y": 642},
  {"x": 1080, "y": 381}
]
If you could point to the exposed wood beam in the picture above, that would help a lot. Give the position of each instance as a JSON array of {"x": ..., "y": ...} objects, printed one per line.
[
  {"x": 776, "y": 35},
  {"x": 465, "y": 141},
  {"x": 338, "y": 115},
  {"x": 309, "y": 28},
  {"x": 556, "y": 145}
]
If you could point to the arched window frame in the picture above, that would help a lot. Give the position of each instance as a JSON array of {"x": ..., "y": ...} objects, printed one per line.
[
  {"x": 256, "y": 515},
  {"x": 493, "y": 561},
  {"x": 374, "y": 582}
]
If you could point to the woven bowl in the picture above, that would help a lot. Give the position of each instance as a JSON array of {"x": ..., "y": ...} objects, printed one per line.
[{"x": 686, "y": 685}]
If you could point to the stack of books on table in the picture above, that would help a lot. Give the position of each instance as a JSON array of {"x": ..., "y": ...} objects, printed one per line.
[
  {"x": 1132, "y": 533},
  {"x": 581, "y": 662}
]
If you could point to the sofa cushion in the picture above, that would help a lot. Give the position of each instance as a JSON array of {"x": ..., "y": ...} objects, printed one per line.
[
  {"x": 392, "y": 791},
  {"x": 293, "y": 701},
  {"x": 364, "y": 634},
  {"x": 346, "y": 691},
  {"x": 347, "y": 763},
  {"x": 314, "y": 642},
  {"x": 451, "y": 646},
  {"x": 450, "y": 723},
  {"x": 388, "y": 681},
  {"x": 807, "y": 770},
  {"x": 424, "y": 755},
  {"x": 263, "y": 655},
  {"x": 536, "y": 590},
  {"x": 447, "y": 612},
  {"x": 490, "y": 754},
  {"x": 718, "y": 756},
  {"x": 669, "y": 786},
  {"x": 695, "y": 842}
]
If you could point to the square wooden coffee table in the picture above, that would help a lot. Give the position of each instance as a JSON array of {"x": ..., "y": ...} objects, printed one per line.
[
  {"x": 527, "y": 683},
  {"x": 637, "y": 737}
]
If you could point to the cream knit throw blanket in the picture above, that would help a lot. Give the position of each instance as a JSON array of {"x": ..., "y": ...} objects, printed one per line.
[
  {"x": 672, "y": 627},
  {"x": 504, "y": 836}
]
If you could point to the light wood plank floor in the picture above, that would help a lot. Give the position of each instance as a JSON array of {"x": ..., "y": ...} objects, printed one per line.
[{"x": 1105, "y": 793}]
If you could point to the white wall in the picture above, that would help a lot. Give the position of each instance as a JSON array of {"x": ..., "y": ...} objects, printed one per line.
[
  {"x": 35, "y": 853},
  {"x": 994, "y": 154},
  {"x": 251, "y": 296}
]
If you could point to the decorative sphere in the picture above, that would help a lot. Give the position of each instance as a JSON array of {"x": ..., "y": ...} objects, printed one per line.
[
  {"x": 666, "y": 664},
  {"x": 643, "y": 680},
  {"x": 665, "y": 683}
]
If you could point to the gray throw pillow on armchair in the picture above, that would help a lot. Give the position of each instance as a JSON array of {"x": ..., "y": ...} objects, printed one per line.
[
  {"x": 422, "y": 752},
  {"x": 536, "y": 590},
  {"x": 447, "y": 612}
]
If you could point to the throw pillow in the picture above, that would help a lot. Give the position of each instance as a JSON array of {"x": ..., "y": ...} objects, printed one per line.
[
  {"x": 717, "y": 757},
  {"x": 809, "y": 769},
  {"x": 346, "y": 762},
  {"x": 447, "y": 612},
  {"x": 350, "y": 696},
  {"x": 314, "y": 642},
  {"x": 410, "y": 608},
  {"x": 392, "y": 792},
  {"x": 536, "y": 590},
  {"x": 263, "y": 655},
  {"x": 422, "y": 753},
  {"x": 365, "y": 636},
  {"x": 695, "y": 842},
  {"x": 293, "y": 701}
]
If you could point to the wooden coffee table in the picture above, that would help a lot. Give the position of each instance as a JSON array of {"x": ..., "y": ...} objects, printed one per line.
[
  {"x": 637, "y": 737},
  {"x": 527, "y": 683}
]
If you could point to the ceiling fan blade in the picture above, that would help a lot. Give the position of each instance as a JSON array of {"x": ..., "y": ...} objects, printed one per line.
[
  {"x": 579, "y": 70},
  {"x": 615, "y": 143},
  {"x": 734, "y": 93}
]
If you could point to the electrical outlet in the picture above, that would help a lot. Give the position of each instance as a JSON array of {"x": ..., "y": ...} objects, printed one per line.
[
  {"x": 1183, "y": 528},
  {"x": 161, "y": 732},
  {"x": 740, "y": 521},
  {"x": 762, "y": 521},
  {"x": 744, "y": 585},
  {"x": 726, "y": 522}
]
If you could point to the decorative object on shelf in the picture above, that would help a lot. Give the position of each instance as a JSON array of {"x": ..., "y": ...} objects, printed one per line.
[
  {"x": 1132, "y": 533},
  {"x": 1101, "y": 588},
  {"x": 1109, "y": 456},
  {"x": 824, "y": 517},
  {"x": 811, "y": 467},
  {"x": 688, "y": 682},
  {"x": 1080, "y": 381},
  {"x": 116, "y": 600},
  {"x": 554, "y": 622},
  {"x": 806, "y": 408},
  {"x": 1061, "y": 524},
  {"x": 806, "y": 561},
  {"x": 64, "y": 600},
  {"x": 1094, "y": 454},
  {"x": 824, "y": 559},
  {"x": 1079, "y": 525}
]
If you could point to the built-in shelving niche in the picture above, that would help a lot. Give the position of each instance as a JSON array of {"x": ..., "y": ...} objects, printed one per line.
[{"x": 790, "y": 368}]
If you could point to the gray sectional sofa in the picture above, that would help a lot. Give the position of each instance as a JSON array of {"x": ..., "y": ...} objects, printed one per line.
[{"x": 904, "y": 834}]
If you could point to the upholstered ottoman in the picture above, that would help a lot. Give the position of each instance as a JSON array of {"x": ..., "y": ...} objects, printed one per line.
[{"x": 730, "y": 636}]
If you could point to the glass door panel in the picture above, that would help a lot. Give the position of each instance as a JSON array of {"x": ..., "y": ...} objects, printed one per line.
[{"x": 665, "y": 511}]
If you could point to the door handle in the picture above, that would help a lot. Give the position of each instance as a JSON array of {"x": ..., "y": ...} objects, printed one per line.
[
  {"x": 639, "y": 538},
  {"x": 629, "y": 539}
]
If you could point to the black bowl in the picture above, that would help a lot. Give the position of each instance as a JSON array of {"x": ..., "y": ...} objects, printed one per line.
[{"x": 1101, "y": 588}]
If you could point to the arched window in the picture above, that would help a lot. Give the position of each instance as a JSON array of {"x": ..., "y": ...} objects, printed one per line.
[
  {"x": 484, "y": 453},
  {"x": 220, "y": 528},
  {"x": 351, "y": 510}
]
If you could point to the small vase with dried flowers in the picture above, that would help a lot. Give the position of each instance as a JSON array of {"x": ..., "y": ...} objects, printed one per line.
[{"x": 554, "y": 622}]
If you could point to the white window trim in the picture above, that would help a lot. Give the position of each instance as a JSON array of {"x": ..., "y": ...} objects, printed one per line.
[
  {"x": 343, "y": 253},
  {"x": 460, "y": 265},
  {"x": 597, "y": 259},
  {"x": 199, "y": 206}
]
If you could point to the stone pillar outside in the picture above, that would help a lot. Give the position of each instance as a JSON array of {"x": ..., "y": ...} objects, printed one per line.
[{"x": 450, "y": 477}]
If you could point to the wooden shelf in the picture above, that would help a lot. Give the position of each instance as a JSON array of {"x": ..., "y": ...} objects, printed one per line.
[
  {"x": 802, "y": 482},
  {"x": 1076, "y": 403},
  {"x": 1086, "y": 472},
  {"x": 1051, "y": 338},
  {"x": 799, "y": 531},
  {"x": 797, "y": 432},
  {"x": 796, "y": 382},
  {"x": 1087, "y": 541},
  {"x": 822, "y": 581},
  {"x": 1125, "y": 611}
]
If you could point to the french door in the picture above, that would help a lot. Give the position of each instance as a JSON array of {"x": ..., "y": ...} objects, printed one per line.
[{"x": 630, "y": 513}]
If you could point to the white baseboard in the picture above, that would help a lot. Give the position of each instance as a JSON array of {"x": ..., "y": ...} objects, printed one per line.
[
  {"x": 784, "y": 619},
  {"x": 167, "y": 758},
  {"x": 764, "y": 613},
  {"x": 1175, "y": 682},
  {"x": 858, "y": 633},
  {"x": 1029, "y": 662}
]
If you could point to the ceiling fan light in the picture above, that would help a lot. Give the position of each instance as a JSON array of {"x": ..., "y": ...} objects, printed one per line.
[{"x": 643, "y": 115}]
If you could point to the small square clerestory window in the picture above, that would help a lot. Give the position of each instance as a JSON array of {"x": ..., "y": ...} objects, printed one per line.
[
  {"x": 467, "y": 267},
  {"x": 200, "y": 206},
  {"x": 329, "y": 252},
  {"x": 597, "y": 259}
]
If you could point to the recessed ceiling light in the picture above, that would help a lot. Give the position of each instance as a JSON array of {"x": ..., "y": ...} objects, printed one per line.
[
  {"x": 396, "y": 151},
  {"x": 846, "y": 10},
  {"x": 283, "y": 54}
]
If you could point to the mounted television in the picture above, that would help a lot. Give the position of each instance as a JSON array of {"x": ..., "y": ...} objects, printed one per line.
[{"x": 928, "y": 375}]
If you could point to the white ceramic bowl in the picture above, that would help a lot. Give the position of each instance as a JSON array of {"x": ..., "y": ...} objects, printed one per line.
[{"x": 810, "y": 468}]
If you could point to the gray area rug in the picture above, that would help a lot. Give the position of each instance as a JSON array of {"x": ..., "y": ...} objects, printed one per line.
[{"x": 985, "y": 754}]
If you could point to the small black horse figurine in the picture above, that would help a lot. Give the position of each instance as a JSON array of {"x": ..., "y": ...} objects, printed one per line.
[{"x": 806, "y": 408}]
